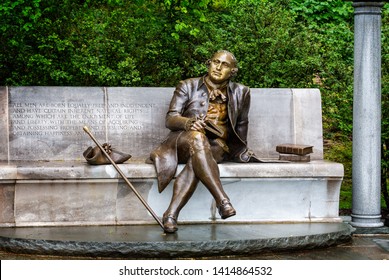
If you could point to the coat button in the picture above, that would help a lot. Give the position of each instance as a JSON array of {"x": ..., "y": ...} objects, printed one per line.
[
  {"x": 204, "y": 94},
  {"x": 202, "y": 115},
  {"x": 202, "y": 103}
]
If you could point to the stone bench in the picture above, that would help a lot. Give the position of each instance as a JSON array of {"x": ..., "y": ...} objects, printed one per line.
[{"x": 45, "y": 181}]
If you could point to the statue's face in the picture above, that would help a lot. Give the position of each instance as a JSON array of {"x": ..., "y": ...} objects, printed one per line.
[{"x": 220, "y": 68}]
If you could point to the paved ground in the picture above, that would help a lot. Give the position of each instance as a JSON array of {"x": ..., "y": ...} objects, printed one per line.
[{"x": 360, "y": 248}]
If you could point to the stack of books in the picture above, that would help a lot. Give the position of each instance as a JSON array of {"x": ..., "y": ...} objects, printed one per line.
[{"x": 295, "y": 152}]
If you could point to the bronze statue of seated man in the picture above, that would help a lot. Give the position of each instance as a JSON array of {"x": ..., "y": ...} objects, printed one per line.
[{"x": 197, "y": 106}]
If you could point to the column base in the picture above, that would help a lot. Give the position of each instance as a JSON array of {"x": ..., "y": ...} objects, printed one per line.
[{"x": 366, "y": 221}]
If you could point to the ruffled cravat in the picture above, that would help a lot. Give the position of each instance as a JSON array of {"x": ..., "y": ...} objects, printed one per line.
[
  {"x": 217, "y": 93},
  {"x": 214, "y": 93}
]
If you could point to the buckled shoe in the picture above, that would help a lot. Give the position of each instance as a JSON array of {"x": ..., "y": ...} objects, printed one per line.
[
  {"x": 169, "y": 223},
  {"x": 226, "y": 210}
]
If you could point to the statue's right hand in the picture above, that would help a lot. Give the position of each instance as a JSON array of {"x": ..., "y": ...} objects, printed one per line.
[{"x": 198, "y": 125}]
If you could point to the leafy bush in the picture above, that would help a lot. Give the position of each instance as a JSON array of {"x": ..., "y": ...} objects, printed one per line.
[
  {"x": 385, "y": 107},
  {"x": 154, "y": 43}
]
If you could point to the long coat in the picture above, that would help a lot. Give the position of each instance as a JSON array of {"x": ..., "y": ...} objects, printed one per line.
[{"x": 190, "y": 100}]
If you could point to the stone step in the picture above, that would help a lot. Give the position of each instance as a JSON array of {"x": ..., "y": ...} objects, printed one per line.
[{"x": 142, "y": 241}]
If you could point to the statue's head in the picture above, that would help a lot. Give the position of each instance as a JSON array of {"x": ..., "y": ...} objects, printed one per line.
[{"x": 222, "y": 66}]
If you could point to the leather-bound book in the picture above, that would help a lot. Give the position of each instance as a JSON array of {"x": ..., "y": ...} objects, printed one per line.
[{"x": 295, "y": 149}]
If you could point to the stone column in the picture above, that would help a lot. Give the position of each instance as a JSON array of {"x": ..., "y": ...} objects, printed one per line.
[{"x": 366, "y": 208}]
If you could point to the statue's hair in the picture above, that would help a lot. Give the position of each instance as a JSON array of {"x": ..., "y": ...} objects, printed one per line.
[
  {"x": 230, "y": 53},
  {"x": 235, "y": 61}
]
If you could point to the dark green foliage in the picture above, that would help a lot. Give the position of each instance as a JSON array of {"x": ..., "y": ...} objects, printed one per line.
[
  {"x": 385, "y": 107},
  {"x": 156, "y": 43},
  {"x": 318, "y": 12}
]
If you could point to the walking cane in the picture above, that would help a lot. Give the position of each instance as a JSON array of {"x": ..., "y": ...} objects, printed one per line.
[{"x": 86, "y": 129}]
